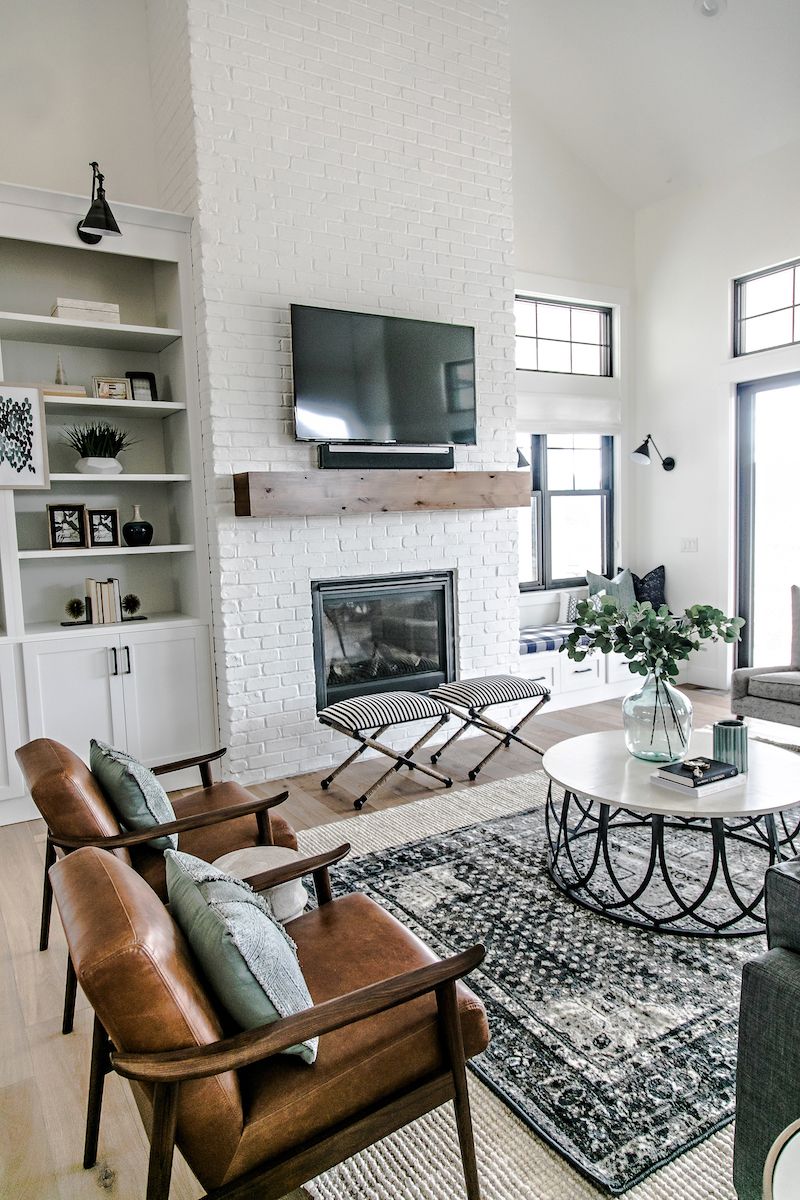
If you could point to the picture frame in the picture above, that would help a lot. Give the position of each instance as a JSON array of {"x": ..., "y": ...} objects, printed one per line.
[
  {"x": 23, "y": 442},
  {"x": 102, "y": 527},
  {"x": 66, "y": 526},
  {"x": 109, "y": 387},
  {"x": 142, "y": 385}
]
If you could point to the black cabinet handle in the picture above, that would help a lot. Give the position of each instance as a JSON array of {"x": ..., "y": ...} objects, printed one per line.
[
  {"x": 538, "y": 679},
  {"x": 116, "y": 664},
  {"x": 583, "y": 671},
  {"x": 127, "y": 650}
]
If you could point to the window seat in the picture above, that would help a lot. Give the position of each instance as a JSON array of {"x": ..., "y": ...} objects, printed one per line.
[{"x": 536, "y": 638}]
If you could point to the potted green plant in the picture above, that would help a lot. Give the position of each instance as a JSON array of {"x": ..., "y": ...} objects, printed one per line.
[
  {"x": 657, "y": 717},
  {"x": 97, "y": 446}
]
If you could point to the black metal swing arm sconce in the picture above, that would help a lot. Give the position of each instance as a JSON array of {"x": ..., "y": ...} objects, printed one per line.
[
  {"x": 641, "y": 454},
  {"x": 99, "y": 221}
]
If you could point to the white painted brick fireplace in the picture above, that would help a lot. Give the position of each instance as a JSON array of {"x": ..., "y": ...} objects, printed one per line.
[{"x": 356, "y": 154}]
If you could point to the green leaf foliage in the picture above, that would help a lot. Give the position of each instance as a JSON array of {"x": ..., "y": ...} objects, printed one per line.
[
  {"x": 650, "y": 639},
  {"x": 98, "y": 440}
]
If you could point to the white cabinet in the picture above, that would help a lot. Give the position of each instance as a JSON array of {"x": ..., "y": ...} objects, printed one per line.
[
  {"x": 147, "y": 691},
  {"x": 578, "y": 675},
  {"x": 10, "y": 778}
]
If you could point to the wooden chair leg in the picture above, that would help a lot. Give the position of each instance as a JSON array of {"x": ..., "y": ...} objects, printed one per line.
[
  {"x": 454, "y": 1043},
  {"x": 100, "y": 1067},
  {"x": 47, "y": 895},
  {"x": 162, "y": 1140},
  {"x": 70, "y": 992}
]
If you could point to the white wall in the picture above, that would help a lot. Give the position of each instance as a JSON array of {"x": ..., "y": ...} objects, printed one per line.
[
  {"x": 75, "y": 87},
  {"x": 688, "y": 250}
]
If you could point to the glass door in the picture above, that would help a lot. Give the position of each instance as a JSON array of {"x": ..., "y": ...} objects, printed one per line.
[{"x": 768, "y": 436}]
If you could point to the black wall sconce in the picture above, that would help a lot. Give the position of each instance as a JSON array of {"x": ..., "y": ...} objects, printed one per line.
[
  {"x": 99, "y": 221},
  {"x": 641, "y": 454}
]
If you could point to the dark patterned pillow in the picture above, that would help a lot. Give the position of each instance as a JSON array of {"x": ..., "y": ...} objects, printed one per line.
[
  {"x": 651, "y": 587},
  {"x": 572, "y": 609}
]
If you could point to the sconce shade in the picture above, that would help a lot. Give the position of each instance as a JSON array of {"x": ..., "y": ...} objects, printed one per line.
[
  {"x": 99, "y": 221},
  {"x": 641, "y": 454},
  {"x": 521, "y": 459}
]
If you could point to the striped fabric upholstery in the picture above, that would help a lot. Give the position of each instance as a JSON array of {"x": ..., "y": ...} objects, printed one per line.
[
  {"x": 545, "y": 637},
  {"x": 384, "y": 708},
  {"x": 493, "y": 689}
]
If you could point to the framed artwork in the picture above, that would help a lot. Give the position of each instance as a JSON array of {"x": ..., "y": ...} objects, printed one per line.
[
  {"x": 105, "y": 387},
  {"x": 102, "y": 526},
  {"x": 66, "y": 525},
  {"x": 142, "y": 385},
  {"x": 23, "y": 442}
]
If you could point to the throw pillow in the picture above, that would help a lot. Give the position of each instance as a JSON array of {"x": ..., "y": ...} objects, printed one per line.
[
  {"x": 572, "y": 610},
  {"x": 247, "y": 957},
  {"x": 563, "y": 607},
  {"x": 133, "y": 792},
  {"x": 620, "y": 588},
  {"x": 651, "y": 587}
]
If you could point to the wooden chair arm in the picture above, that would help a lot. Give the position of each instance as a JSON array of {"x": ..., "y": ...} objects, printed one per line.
[
  {"x": 136, "y": 837},
  {"x": 203, "y": 761},
  {"x": 317, "y": 866},
  {"x": 254, "y": 1045}
]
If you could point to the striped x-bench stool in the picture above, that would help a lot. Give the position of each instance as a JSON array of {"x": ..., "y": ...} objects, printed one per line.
[
  {"x": 468, "y": 699},
  {"x": 379, "y": 713}
]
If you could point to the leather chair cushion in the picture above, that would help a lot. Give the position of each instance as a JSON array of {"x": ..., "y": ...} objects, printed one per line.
[
  {"x": 66, "y": 793},
  {"x": 215, "y": 840},
  {"x": 779, "y": 685},
  {"x": 140, "y": 978},
  {"x": 343, "y": 946}
]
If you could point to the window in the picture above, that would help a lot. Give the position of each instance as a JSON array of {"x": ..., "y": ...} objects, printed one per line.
[
  {"x": 766, "y": 309},
  {"x": 569, "y": 527},
  {"x": 552, "y": 335}
]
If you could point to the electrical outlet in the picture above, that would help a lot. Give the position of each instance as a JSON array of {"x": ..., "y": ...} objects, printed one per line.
[{"x": 690, "y": 545}]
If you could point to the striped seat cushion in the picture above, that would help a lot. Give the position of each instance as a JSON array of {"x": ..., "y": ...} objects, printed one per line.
[
  {"x": 493, "y": 689},
  {"x": 384, "y": 708},
  {"x": 537, "y": 638}
]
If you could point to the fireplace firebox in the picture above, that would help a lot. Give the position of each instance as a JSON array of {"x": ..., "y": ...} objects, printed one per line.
[{"x": 382, "y": 634}]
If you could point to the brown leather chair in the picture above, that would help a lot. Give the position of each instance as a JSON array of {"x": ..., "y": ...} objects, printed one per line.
[
  {"x": 218, "y": 818},
  {"x": 394, "y": 1027}
]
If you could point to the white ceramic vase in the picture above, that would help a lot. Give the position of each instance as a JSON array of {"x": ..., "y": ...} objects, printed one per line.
[{"x": 98, "y": 466}]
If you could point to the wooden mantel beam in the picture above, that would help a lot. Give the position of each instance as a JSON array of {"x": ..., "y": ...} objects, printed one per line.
[{"x": 331, "y": 493}]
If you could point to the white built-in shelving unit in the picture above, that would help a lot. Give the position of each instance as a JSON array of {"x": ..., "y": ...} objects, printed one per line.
[{"x": 159, "y": 703}]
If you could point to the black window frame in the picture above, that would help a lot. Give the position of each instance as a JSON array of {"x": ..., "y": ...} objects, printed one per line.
[
  {"x": 541, "y": 497},
  {"x": 739, "y": 321},
  {"x": 607, "y": 331}
]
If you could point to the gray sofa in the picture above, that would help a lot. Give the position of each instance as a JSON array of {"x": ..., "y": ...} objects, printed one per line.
[
  {"x": 768, "y": 1065},
  {"x": 771, "y": 693}
]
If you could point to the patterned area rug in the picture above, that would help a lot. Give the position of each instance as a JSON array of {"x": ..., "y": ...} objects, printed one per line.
[{"x": 616, "y": 1046}]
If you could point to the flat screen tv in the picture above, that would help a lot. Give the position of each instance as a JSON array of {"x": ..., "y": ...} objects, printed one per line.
[{"x": 382, "y": 380}]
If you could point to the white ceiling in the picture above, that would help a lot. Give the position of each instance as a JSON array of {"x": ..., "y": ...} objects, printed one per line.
[{"x": 654, "y": 96}]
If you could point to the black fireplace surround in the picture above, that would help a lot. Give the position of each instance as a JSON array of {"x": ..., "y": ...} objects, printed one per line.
[{"x": 382, "y": 634}]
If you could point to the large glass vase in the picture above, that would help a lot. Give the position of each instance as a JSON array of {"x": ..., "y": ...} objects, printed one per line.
[{"x": 658, "y": 721}]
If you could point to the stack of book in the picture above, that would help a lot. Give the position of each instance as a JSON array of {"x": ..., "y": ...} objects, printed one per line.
[
  {"x": 103, "y": 602},
  {"x": 695, "y": 775}
]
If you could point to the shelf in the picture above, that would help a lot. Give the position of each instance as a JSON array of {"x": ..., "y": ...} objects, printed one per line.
[
  {"x": 24, "y": 327},
  {"x": 154, "y": 621},
  {"x": 125, "y": 477},
  {"x": 67, "y": 405},
  {"x": 105, "y": 552}
]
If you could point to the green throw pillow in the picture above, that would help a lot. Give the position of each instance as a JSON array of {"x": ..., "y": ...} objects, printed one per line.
[
  {"x": 247, "y": 957},
  {"x": 133, "y": 792},
  {"x": 620, "y": 588}
]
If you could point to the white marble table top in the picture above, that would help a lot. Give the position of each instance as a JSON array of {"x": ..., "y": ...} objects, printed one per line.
[{"x": 599, "y": 767}]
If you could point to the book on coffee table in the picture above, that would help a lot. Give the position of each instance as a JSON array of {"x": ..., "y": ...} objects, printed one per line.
[
  {"x": 708, "y": 789},
  {"x": 697, "y": 775}
]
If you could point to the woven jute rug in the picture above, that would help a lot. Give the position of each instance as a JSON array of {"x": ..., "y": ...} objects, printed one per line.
[{"x": 422, "y": 1161}]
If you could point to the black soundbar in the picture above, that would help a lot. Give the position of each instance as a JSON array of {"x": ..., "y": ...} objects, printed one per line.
[{"x": 361, "y": 458}]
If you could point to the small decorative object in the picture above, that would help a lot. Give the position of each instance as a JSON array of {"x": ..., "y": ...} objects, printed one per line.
[
  {"x": 98, "y": 446},
  {"x": 76, "y": 609},
  {"x": 67, "y": 526},
  {"x": 107, "y": 387},
  {"x": 96, "y": 311},
  {"x": 102, "y": 526},
  {"x": 142, "y": 385},
  {"x": 730, "y": 743},
  {"x": 23, "y": 446},
  {"x": 130, "y": 607},
  {"x": 99, "y": 221},
  {"x": 136, "y": 531},
  {"x": 61, "y": 375},
  {"x": 656, "y": 716}
]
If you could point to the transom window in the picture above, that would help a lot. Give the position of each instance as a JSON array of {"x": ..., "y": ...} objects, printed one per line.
[
  {"x": 569, "y": 526},
  {"x": 767, "y": 309},
  {"x": 553, "y": 335}
]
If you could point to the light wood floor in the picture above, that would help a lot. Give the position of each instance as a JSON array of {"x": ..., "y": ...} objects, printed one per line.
[{"x": 43, "y": 1076}]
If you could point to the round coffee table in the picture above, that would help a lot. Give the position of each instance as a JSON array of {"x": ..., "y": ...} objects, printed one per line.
[{"x": 652, "y": 857}]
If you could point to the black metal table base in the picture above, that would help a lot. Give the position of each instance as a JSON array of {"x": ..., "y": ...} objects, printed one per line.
[{"x": 646, "y": 890}]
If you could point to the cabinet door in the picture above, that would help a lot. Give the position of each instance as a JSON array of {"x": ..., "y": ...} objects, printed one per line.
[
  {"x": 72, "y": 692},
  {"x": 11, "y": 784},
  {"x": 166, "y": 677}
]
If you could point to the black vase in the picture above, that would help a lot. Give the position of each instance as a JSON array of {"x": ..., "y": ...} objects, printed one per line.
[{"x": 137, "y": 532}]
